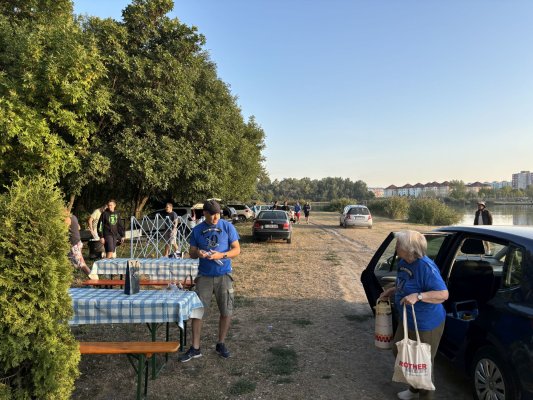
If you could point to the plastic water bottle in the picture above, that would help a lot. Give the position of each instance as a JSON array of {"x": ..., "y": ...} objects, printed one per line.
[{"x": 219, "y": 262}]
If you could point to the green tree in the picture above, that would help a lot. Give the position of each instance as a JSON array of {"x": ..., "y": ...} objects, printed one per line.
[
  {"x": 458, "y": 190},
  {"x": 48, "y": 88},
  {"x": 175, "y": 129},
  {"x": 36, "y": 344}
]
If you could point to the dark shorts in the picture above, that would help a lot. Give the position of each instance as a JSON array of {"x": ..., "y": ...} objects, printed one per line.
[
  {"x": 222, "y": 287},
  {"x": 110, "y": 244}
]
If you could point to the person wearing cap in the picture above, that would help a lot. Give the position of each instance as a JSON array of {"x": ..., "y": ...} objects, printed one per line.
[
  {"x": 215, "y": 242},
  {"x": 483, "y": 216}
]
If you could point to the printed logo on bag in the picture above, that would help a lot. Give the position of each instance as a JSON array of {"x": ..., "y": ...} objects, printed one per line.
[{"x": 414, "y": 369}]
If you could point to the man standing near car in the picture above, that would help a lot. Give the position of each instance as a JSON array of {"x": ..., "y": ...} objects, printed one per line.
[{"x": 215, "y": 242}]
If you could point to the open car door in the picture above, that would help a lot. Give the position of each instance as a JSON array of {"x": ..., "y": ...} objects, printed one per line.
[{"x": 381, "y": 271}]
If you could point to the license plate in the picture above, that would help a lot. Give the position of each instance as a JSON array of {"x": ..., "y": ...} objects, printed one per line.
[
  {"x": 359, "y": 217},
  {"x": 269, "y": 226}
]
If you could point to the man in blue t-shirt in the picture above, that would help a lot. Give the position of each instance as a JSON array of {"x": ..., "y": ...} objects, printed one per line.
[{"x": 214, "y": 242}]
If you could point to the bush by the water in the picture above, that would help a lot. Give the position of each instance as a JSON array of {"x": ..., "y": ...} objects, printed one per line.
[
  {"x": 391, "y": 207},
  {"x": 432, "y": 212},
  {"x": 339, "y": 204},
  {"x": 38, "y": 354}
]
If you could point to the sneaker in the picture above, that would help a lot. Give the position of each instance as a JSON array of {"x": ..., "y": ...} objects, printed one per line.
[
  {"x": 407, "y": 395},
  {"x": 222, "y": 350},
  {"x": 190, "y": 354}
]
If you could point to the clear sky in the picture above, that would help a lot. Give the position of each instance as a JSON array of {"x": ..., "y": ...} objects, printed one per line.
[{"x": 383, "y": 91}]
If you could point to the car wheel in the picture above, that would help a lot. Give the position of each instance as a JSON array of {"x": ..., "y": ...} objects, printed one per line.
[
  {"x": 370, "y": 227},
  {"x": 491, "y": 377},
  {"x": 242, "y": 218},
  {"x": 289, "y": 240}
]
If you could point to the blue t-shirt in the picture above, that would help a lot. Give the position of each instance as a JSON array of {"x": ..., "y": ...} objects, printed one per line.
[
  {"x": 420, "y": 276},
  {"x": 214, "y": 237}
]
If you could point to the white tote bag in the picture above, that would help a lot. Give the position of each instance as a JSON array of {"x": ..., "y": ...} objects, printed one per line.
[{"x": 413, "y": 362}]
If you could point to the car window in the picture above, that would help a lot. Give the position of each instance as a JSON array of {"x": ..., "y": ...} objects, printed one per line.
[
  {"x": 358, "y": 211},
  {"x": 272, "y": 215},
  {"x": 513, "y": 273}
]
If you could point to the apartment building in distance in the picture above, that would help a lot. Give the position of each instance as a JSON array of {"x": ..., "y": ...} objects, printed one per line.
[
  {"x": 430, "y": 189},
  {"x": 522, "y": 180}
]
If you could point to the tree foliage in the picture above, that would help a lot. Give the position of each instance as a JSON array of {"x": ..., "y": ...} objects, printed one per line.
[
  {"x": 174, "y": 129},
  {"x": 48, "y": 88},
  {"x": 36, "y": 344}
]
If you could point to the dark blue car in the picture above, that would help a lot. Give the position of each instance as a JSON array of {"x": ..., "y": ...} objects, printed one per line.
[{"x": 489, "y": 322}]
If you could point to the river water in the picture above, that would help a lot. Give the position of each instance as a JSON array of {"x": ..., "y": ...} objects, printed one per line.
[{"x": 501, "y": 214}]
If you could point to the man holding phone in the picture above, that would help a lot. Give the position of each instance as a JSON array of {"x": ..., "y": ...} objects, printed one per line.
[{"x": 215, "y": 242}]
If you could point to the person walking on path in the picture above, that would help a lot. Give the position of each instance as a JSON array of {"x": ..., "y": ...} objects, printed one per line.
[
  {"x": 482, "y": 216},
  {"x": 110, "y": 229},
  {"x": 307, "y": 210},
  {"x": 297, "y": 211},
  {"x": 75, "y": 255},
  {"x": 215, "y": 242}
]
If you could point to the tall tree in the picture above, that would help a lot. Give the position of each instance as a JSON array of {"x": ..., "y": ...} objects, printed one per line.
[
  {"x": 48, "y": 87},
  {"x": 175, "y": 127}
]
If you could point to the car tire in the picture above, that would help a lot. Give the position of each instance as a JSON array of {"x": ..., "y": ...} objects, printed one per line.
[
  {"x": 242, "y": 218},
  {"x": 370, "y": 227},
  {"x": 491, "y": 377},
  {"x": 289, "y": 240}
]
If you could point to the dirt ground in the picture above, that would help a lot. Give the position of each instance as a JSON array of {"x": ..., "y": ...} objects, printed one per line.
[{"x": 302, "y": 329}]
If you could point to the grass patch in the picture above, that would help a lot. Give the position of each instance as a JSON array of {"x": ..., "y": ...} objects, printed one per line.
[
  {"x": 242, "y": 386},
  {"x": 333, "y": 258},
  {"x": 241, "y": 301},
  {"x": 284, "y": 380},
  {"x": 282, "y": 361},
  {"x": 358, "y": 318},
  {"x": 302, "y": 322}
]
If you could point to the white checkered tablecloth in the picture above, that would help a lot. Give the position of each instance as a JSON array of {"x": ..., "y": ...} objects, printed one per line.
[
  {"x": 110, "y": 306},
  {"x": 157, "y": 268}
]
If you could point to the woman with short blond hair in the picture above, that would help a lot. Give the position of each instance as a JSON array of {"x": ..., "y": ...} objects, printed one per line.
[{"x": 418, "y": 282}]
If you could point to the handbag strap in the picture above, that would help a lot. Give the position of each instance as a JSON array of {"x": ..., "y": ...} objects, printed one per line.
[{"x": 406, "y": 336}]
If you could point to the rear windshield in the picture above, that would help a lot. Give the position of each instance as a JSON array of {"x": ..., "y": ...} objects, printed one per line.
[
  {"x": 358, "y": 211},
  {"x": 272, "y": 215}
]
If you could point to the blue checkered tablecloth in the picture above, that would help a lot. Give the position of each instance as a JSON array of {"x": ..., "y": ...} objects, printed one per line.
[
  {"x": 157, "y": 268},
  {"x": 110, "y": 306}
]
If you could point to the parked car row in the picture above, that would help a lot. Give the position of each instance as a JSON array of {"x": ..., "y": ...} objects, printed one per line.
[{"x": 488, "y": 331}]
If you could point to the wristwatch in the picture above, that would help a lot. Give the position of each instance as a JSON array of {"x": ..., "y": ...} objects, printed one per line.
[
  {"x": 225, "y": 255},
  {"x": 419, "y": 297}
]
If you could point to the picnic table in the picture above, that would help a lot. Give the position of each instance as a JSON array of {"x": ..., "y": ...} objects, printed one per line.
[
  {"x": 112, "y": 306},
  {"x": 158, "y": 268},
  {"x": 153, "y": 307}
]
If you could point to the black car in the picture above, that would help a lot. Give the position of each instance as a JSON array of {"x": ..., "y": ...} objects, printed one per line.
[
  {"x": 272, "y": 224},
  {"x": 489, "y": 313}
]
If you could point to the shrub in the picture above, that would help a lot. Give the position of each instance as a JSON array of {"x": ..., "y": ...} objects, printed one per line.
[
  {"x": 432, "y": 212},
  {"x": 339, "y": 204},
  {"x": 392, "y": 207},
  {"x": 36, "y": 345}
]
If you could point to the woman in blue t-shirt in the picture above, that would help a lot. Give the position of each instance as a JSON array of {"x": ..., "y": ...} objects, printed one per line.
[{"x": 419, "y": 283}]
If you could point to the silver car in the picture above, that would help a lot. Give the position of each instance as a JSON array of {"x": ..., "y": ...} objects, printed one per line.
[{"x": 356, "y": 215}]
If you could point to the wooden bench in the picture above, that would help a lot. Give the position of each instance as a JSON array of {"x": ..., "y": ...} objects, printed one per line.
[
  {"x": 143, "y": 282},
  {"x": 140, "y": 351}
]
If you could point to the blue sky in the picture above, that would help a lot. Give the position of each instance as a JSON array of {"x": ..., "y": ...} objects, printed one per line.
[{"x": 384, "y": 91}]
